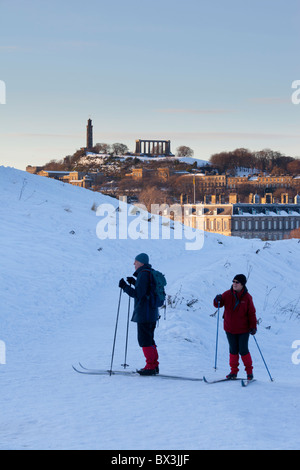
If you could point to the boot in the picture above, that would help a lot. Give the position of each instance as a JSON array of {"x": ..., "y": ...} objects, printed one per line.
[
  {"x": 151, "y": 356},
  {"x": 234, "y": 365},
  {"x": 231, "y": 376},
  {"x": 247, "y": 360}
]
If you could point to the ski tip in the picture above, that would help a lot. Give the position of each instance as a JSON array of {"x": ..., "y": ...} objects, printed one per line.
[{"x": 246, "y": 382}]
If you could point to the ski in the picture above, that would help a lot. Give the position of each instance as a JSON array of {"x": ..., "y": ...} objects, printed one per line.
[
  {"x": 220, "y": 380},
  {"x": 132, "y": 374},
  {"x": 175, "y": 377},
  {"x": 246, "y": 382},
  {"x": 101, "y": 372}
]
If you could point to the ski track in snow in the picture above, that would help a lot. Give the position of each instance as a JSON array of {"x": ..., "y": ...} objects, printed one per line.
[{"x": 59, "y": 297}]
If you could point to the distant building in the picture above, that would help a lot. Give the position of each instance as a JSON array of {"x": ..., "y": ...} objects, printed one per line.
[
  {"x": 162, "y": 174},
  {"x": 266, "y": 221},
  {"x": 33, "y": 169},
  {"x": 76, "y": 178},
  {"x": 219, "y": 182},
  {"x": 153, "y": 148},
  {"x": 57, "y": 175}
]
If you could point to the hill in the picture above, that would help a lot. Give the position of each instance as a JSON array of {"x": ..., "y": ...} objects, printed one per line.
[{"x": 59, "y": 296}]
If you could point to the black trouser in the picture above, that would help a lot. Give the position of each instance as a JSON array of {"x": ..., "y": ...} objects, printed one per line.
[
  {"x": 146, "y": 334},
  {"x": 238, "y": 344}
]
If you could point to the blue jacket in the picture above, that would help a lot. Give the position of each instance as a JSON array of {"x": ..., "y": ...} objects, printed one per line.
[{"x": 143, "y": 312}]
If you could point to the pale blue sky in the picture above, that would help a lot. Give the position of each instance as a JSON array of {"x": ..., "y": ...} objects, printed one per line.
[{"x": 211, "y": 74}]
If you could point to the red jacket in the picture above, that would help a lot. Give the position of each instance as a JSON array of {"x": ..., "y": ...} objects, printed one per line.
[{"x": 239, "y": 314}]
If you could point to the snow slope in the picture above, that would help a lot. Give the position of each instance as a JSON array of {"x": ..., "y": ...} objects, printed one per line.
[
  {"x": 100, "y": 159},
  {"x": 59, "y": 295}
]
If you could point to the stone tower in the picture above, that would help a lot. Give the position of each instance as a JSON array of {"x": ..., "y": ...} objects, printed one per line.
[{"x": 89, "y": 135}]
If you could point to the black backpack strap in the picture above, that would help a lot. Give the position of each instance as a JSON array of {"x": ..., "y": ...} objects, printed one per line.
[{"x": 149, "y": 285}]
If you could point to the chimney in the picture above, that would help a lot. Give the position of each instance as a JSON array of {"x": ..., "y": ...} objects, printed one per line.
[
  {"x": 297, "y": 199},
  {"x": 233, "y": 198},
  {"x": 256, "y": 199},
  {"x": 269, "y": 198}
]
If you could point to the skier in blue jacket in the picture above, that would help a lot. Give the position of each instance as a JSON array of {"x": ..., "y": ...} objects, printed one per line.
[{"x": 144, "y": 314}]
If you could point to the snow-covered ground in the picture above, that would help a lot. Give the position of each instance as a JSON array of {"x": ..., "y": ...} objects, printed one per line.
[
  {"x": 100, "y": 159},
  {"x": 59, "y": 296}
]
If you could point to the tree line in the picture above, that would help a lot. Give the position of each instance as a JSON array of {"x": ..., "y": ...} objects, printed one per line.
[{"x": 267, "y": 160}]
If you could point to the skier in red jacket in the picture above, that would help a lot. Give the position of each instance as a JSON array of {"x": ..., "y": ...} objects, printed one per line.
[{"x": 239, "y": 322}]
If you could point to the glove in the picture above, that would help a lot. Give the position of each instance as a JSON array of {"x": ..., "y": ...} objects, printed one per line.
[
  {"x": 218, "y": 298},
  {"x": 253, "y": 331},
  {"x": 131, "y": 280},
  {"x": 122, "y": 284}
]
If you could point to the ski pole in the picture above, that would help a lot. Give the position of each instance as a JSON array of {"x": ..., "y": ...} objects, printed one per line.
[
  {"x": 115, "y": 336},
  {"x": 272, "y": 380},
  {"x": 217, "y": 339},
  {"x": 126, "y": 343}
]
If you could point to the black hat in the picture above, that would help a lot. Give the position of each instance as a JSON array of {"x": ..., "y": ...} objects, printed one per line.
[
  {"x": 241, "y": 278},
  {"x": 142, "y": 258}
]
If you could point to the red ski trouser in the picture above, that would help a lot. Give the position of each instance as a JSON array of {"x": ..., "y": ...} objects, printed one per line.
[
  {"x": 151, "y": 356},
  {"x": 247, "y": 360},
  {"x": 234, "y": 363}
]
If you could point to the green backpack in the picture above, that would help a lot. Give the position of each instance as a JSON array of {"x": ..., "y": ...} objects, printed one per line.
[{"x": 157, "y": 288}]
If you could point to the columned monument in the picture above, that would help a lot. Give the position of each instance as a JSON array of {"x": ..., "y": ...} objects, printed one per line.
[{"x": 153, "y": 148}]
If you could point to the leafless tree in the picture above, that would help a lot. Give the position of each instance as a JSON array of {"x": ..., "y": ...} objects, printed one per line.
[{"x": 184, "y": 151}]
